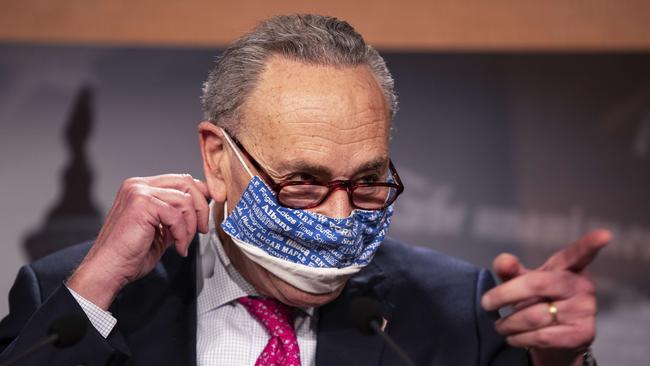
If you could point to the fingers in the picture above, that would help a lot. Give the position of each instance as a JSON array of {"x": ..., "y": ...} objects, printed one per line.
[
  {"x": 556, "y": 337},
  {"x": 563, "y": 280},
  {"x": 195, "y": 188},
  {"x": 183, "y": 193},
  {"x": 184, "y": 203},
  {"x": 579, "y": 255},
  {"x": 507, "y": 267},
  {"x": 174, "y": 222},
  {"x": 537, "y": 316},
  {"x": 147, "y": 215},
  {"x": 531, "y": 318},
  {"x": 533, "y": 285}
]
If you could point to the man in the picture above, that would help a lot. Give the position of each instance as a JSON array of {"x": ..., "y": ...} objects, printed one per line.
[{"x": 300, "y": 184}]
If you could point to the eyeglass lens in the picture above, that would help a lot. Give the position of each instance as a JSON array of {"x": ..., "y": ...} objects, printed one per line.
[{"x": 364, "y": 197}]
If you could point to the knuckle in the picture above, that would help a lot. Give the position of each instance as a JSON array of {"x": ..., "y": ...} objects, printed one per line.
[
  {"x": 529, "y": 320},
  {"x": 588, "y": 286},
  {"x": 177, "y": 218},
  {"x": 589, "y": 305},
  {"x": 132, "y": 181},
  {"x": 139, "y": 196},
  {"x": 187, "y": 178},
  {"x": 187, "y": 199},
  {"x": 185, "y": 203},
  {"x": 567, "y": 284},
  {"x": 567, "y": 276},
  {"x": 537, "y": 283}
]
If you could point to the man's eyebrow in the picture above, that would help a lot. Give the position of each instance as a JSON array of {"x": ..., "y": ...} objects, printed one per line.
[
  {"x": 305, "y": 167},
  {"x": 373, "y": 165},
  {"x": 321, "y": 170}
]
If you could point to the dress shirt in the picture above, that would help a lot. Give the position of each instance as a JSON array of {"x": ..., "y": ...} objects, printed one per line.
[
  {"x": 101, "y": 319},
  {"x": 226, "y": 333}
]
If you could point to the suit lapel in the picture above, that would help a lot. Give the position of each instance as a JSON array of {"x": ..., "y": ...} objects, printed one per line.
[
  {"x": 338, "y": 341},
  {"x": 190, "y": 309}
]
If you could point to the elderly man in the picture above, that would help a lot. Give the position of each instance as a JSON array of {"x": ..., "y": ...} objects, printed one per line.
[{"x": 292, "y": 218}]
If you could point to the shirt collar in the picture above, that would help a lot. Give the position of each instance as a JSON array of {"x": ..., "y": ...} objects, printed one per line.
[{"x": 218, "y": 281}]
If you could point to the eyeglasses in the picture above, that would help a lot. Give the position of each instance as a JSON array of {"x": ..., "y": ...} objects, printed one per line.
[{"x": 310, "y": 194}]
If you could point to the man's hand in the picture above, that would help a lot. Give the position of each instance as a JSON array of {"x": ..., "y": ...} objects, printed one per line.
[
  {"x": 148, "y": 215},
  {"x": 563, "y": 282}
]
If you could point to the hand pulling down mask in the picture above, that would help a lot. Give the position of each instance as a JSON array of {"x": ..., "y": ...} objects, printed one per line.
[{"x": 310, "y": 251}]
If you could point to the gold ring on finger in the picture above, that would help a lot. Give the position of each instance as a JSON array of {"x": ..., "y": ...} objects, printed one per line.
[{"x": 552, "y": 310}]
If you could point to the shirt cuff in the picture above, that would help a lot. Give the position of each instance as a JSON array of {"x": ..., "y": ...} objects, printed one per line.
[{"x": 101, "y": 319}]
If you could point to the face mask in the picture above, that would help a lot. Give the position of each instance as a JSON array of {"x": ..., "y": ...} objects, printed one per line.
[{"x": 310, "y": 251}]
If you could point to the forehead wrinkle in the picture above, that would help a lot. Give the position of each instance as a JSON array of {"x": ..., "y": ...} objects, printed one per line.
[
  {"x": 353, "y": 105},
  {"x": 372, "y": 127},
  {"x": 324, "y": 144},
  {"x": 298, "y": 106},
  {"x": 345, "y": 125}
]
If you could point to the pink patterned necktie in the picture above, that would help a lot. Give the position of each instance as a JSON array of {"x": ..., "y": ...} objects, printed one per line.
[{"x": 277, "y": 318}]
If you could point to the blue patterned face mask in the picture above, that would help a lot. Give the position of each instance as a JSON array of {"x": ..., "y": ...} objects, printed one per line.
[{"x": 311, "y": 251}]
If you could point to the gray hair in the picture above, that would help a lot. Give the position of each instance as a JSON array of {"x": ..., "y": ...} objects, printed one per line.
[{"x": 314, "y": 39}]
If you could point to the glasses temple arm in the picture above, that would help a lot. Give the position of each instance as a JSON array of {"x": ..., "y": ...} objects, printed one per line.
[{"x": 237, "y": 152}]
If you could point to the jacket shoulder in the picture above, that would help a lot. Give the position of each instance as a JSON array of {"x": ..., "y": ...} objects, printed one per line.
[
  {"x": 423, "y": 265},
  {"x": 431, "y": 278},
  {"x": 55, "y": 268}
]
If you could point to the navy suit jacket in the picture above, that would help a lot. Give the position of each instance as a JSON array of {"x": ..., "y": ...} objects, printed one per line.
[{"x": 431, "y": 302}]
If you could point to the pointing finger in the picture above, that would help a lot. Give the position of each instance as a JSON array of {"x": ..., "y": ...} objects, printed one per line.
[{"x": 580, "y": 254}]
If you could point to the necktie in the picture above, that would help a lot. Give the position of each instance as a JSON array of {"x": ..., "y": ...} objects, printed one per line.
[{"x": 277, "y": 318}]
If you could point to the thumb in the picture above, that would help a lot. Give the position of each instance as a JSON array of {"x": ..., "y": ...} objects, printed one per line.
[{"x": 508, "y": 266}]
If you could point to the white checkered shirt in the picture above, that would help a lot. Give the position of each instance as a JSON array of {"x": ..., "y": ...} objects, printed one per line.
[
  {"x": 101, "y": 319},
  {"x": 226, "y": 333}
]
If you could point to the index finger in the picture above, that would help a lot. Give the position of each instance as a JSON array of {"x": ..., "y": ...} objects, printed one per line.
[
  {"x": 203, "y": 188},
  {"x": 580, "y": 254}
]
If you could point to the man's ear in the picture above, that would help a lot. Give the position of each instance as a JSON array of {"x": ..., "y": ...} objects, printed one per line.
[{"x": 215, "y": 163}]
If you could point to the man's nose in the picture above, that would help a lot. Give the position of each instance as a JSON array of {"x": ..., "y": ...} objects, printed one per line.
[{"x": 337, "y": 205}]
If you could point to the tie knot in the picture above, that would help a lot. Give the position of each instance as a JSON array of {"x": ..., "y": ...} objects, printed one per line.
[{"x": 276, "y": 317}]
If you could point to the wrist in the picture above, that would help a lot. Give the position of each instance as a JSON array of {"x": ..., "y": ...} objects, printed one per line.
[{"x": 95, "y": 284}]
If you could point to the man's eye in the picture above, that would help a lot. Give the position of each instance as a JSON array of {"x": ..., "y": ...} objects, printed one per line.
[
  {"x": 369, "y": 178},
  {"x": 302, "y": 177}
]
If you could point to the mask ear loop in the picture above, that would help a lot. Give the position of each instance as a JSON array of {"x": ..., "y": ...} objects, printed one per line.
[
  {"x": 241, "y": 160},
  {"x": 237, "y": 153}
]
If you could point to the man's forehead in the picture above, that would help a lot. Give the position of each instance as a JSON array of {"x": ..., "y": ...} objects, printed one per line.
[
  {"x": 293, "y": 91},
  {"x": 318, "y": 117}
]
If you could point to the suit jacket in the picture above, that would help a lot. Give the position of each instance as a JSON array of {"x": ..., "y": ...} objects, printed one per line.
[{"x": 431, "y": 302}]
